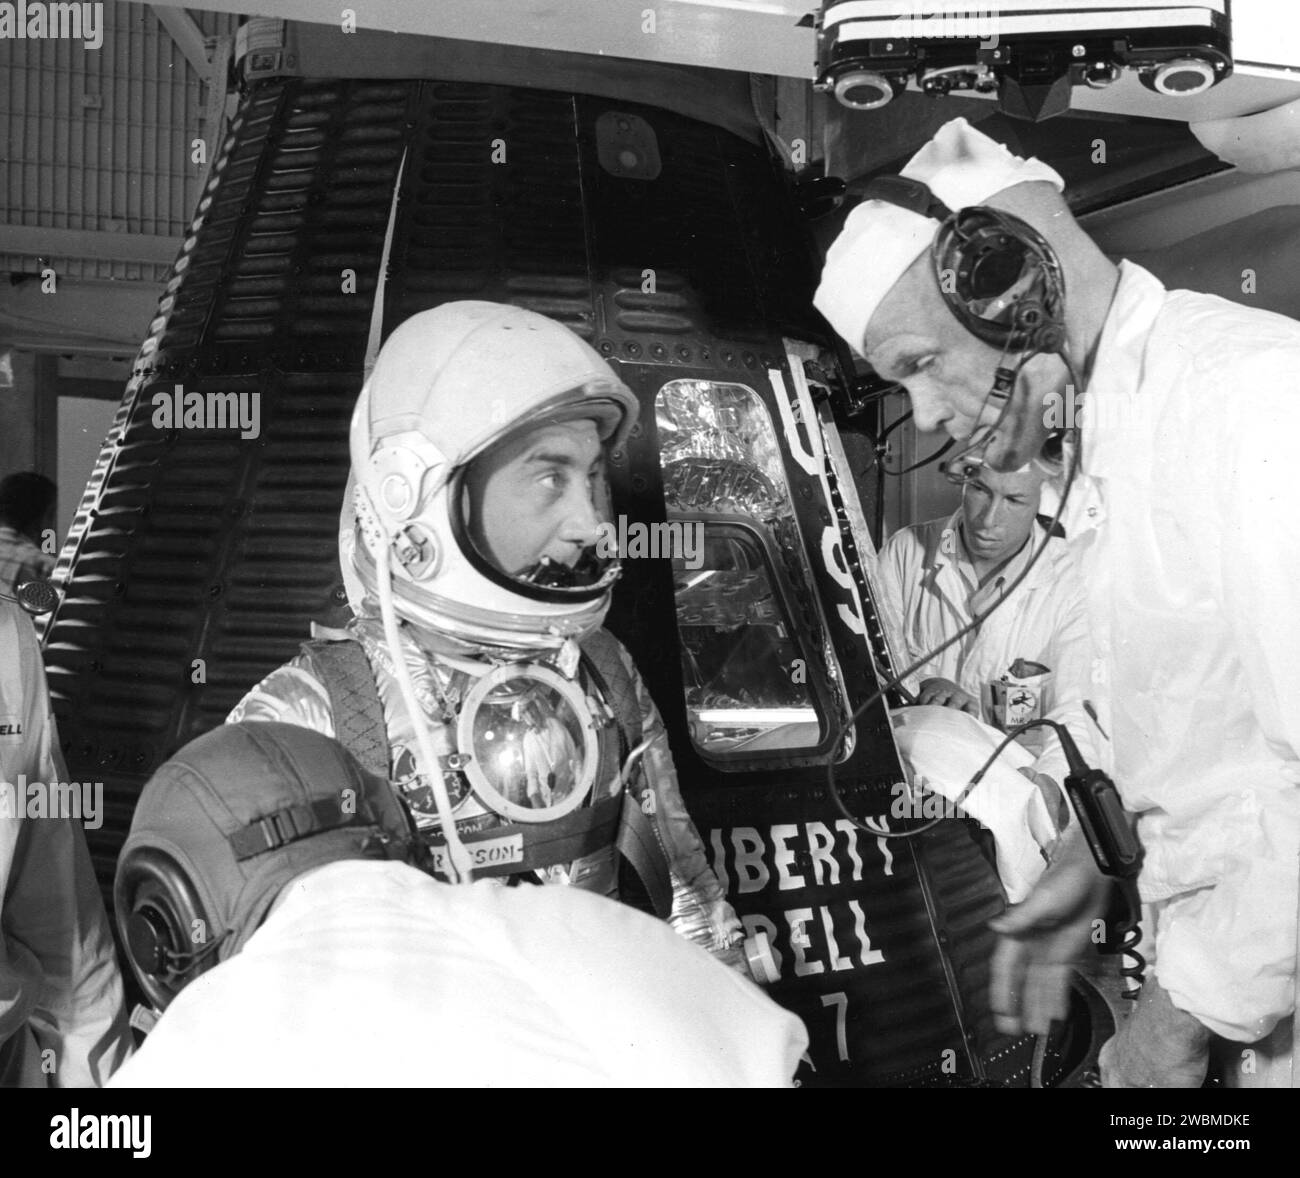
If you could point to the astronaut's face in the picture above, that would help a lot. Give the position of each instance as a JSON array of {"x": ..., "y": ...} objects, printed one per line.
[
  {"x": 539, "y": 495},
  {"x": 914, "y": 339}
]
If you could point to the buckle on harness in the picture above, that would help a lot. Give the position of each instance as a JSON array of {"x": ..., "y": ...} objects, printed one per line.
[
  {"x": 279, "y": 828},
  {"x": 272, "y": 831}
]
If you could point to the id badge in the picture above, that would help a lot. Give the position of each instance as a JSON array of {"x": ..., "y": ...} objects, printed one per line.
[{"x": 1020, "y": 694}]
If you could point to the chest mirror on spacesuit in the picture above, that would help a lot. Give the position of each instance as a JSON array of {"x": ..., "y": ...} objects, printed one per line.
[{"x": 528, "y": 742}]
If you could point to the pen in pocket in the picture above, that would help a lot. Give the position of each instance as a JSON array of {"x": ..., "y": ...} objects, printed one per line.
[{"x": 1087, "y": 707}]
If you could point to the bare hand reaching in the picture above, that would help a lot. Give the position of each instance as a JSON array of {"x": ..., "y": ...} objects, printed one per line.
[{"x": 1041, "y": 939}]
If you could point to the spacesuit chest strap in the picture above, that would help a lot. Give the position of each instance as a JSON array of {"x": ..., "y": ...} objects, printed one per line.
[
  {"x": 510, "y": 849},
  {"x": 344, "y": 671},
  {"x": 638, "y": 842},
  {"x": 601, "y": 650},
  {"x": 639, "y": 845}
]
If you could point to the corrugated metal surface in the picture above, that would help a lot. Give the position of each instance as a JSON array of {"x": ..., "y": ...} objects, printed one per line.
[
  {"x": 100, "y": 139},
  {"x": 510, "y": 232},
  {"x": 195, "y": 544}
]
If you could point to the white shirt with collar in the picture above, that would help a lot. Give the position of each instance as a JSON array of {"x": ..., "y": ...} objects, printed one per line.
[
  {"x": 931, "y": 585},
  {"x": 1190, "y": 550}
]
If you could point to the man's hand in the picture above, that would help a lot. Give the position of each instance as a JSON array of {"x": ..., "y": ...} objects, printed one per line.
[
  {"x": 1042, "y": 938},
  {"x": 1159, "y": 1046},
  {"x": 947, "y": 694}
]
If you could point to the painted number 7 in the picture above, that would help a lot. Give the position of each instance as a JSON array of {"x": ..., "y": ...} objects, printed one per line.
[{"x": 840, "y": 1001}]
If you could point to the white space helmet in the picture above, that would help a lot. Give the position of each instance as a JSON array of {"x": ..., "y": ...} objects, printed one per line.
[{"x": 447, "y": 386}]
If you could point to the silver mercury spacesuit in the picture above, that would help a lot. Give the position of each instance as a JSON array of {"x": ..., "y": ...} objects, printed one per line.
[{"x": 548, "y": 749}]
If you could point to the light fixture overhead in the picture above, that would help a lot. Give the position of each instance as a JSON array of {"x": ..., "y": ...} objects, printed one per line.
[{"x": 869, "y": 52}]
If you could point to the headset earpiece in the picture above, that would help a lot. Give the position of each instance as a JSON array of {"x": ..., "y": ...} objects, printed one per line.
[
  {"x": 150, "y": 938},
  {"x": 997, "y": 273},
  {"x": 1001, "y": 279},
  {"x": 169, "y": 937}
]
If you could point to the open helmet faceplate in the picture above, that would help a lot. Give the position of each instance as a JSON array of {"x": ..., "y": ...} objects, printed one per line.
[{"x": 449, "y": 385}]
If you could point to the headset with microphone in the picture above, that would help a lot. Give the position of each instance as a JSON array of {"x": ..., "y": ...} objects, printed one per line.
[
  {"x": 1004, "y": 283},
  {"x": 998, "y": 276}
]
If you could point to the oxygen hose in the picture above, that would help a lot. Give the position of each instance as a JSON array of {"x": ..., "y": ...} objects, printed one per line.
[{"x": 459, "y": 867}]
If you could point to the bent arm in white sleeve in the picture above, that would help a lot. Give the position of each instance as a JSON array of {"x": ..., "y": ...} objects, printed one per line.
[
  {"x": 53, "y": 915},
  {"x": 1261, "y": 583}
]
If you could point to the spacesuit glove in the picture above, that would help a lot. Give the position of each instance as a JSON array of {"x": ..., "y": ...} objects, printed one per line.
[
  {"x": 1159, "y": 1046},
  {"x": 734, "y": 957},
  {"x": 1042, "y": 938}
]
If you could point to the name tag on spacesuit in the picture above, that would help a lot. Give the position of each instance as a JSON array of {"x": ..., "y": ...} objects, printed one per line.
[
  {"x": 487, "y": 853},
  {"x": 10, "y": 726}
]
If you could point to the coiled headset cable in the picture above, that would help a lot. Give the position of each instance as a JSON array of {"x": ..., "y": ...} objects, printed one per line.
[{"x": 975, "y": 622}]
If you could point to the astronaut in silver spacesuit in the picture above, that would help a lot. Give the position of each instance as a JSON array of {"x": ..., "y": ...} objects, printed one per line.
[{"x": 475, "y": 672}]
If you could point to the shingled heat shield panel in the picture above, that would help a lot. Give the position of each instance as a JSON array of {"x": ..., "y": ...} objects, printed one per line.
[{"x": 207, "y": 538}]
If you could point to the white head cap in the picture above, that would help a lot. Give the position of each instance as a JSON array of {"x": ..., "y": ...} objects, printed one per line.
[{"x": 879, "y": 241}]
